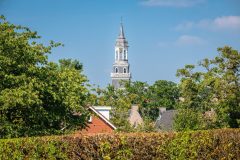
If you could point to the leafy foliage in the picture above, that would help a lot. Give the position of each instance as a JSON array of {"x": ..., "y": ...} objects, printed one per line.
[
  {"x": 210, "y": 144},
  {"x": 188, "y": 119},
  {"x": 121, "y": 104},
  {"x": 148, "y": 98},
  {"x": 215, "y": 88},
  {"x": 33, "y": 148},
  {"x": 161, "y": 94},
  {"x": 164, "y": 93},
  {"x": 37, "y": 97}
]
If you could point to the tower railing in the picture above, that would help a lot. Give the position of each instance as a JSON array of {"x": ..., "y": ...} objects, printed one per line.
[{"x": 120, "y": 75}]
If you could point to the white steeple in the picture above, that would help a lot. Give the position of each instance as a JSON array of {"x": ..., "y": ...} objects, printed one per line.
[
  {"x": 121, "y": 66},
  {"x": 121, "y": 46}
]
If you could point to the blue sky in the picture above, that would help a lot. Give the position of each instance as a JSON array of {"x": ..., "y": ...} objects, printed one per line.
[{"x": 163, "y": 35}]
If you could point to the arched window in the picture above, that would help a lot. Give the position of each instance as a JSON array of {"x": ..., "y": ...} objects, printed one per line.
[
  {"x": 124, "y": 56},
  {"x": 116, "y": 55},
  {"x": 124, "y": 70},
  {"x": 116, "y": 70}
]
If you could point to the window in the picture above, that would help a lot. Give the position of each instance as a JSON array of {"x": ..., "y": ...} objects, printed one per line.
[
  {"x": 124, "y": 70},
  {"x": 116, "y": 55},
  {"x": 116, "y": 70},
  {"x": 125, "y": 57},
  {"x": 120, "y": 50}
]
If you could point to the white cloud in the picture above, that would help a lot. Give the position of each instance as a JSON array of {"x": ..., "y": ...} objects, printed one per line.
[
  {"x": 187, "y": 40},
  {"x": 183, "y": 41},
  {"x": 172, "y": 3},
  {"x": 219, "y": 23},
  {"x": 227, "y": 22}
]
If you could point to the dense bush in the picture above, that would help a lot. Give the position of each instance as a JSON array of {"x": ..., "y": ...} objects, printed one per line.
[
  {"x": 214, "y": 144},
  {"x": 33, "y": 148}
]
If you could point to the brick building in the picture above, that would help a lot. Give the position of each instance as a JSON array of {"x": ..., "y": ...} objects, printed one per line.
[{"x": 99, "y": 121}]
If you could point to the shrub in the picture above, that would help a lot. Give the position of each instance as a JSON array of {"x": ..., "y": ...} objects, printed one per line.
[
  {"x": 210, "y": 144},
  {"x": 33, "y": 148}
]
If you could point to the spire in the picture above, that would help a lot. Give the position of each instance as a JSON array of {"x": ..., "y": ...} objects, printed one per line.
[
  {"x": 121, "y": 40},
  {"x": 121, "y": 34}
]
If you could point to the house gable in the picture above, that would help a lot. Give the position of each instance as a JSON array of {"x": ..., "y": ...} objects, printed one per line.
[{"x": 98, "y": 123}]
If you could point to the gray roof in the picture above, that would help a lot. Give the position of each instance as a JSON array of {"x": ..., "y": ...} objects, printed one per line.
[{"x": 165, "y": 120}]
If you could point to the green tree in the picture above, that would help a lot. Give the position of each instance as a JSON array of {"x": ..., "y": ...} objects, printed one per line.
[
  {"x": 121, "y": 104},
  {"x": 216, "y": 87},
  {"x": 164, "y": 93},
  {"x": 37, "y": 97},
  {"x": 148, "y": 98},
  {"x": 188, "y": 119},
  {"x": 137, "y": 91},
  {"x": 161, "y": 94}
]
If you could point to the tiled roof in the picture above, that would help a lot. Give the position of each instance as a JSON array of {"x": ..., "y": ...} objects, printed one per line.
[{"x": 165, "y": 120}]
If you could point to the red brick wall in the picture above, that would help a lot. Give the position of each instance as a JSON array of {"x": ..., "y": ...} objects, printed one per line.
[{"x": 97, "y": 126}]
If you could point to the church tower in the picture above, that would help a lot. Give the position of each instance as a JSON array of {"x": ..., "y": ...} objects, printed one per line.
[{"x": 120, "y": 71}]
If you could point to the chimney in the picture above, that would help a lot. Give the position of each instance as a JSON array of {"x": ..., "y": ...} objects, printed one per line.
[
  {"x": 161, "y": 110},
  {"x": 134, "y": 108},
  {"x": 135, "y": 118}
]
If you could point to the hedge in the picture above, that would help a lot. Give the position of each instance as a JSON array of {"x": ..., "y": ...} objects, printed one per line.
[{"x": 210, "y": 144}]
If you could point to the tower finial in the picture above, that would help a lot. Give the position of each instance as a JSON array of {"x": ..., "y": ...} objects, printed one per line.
[{"x": 121, "y": 34}]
